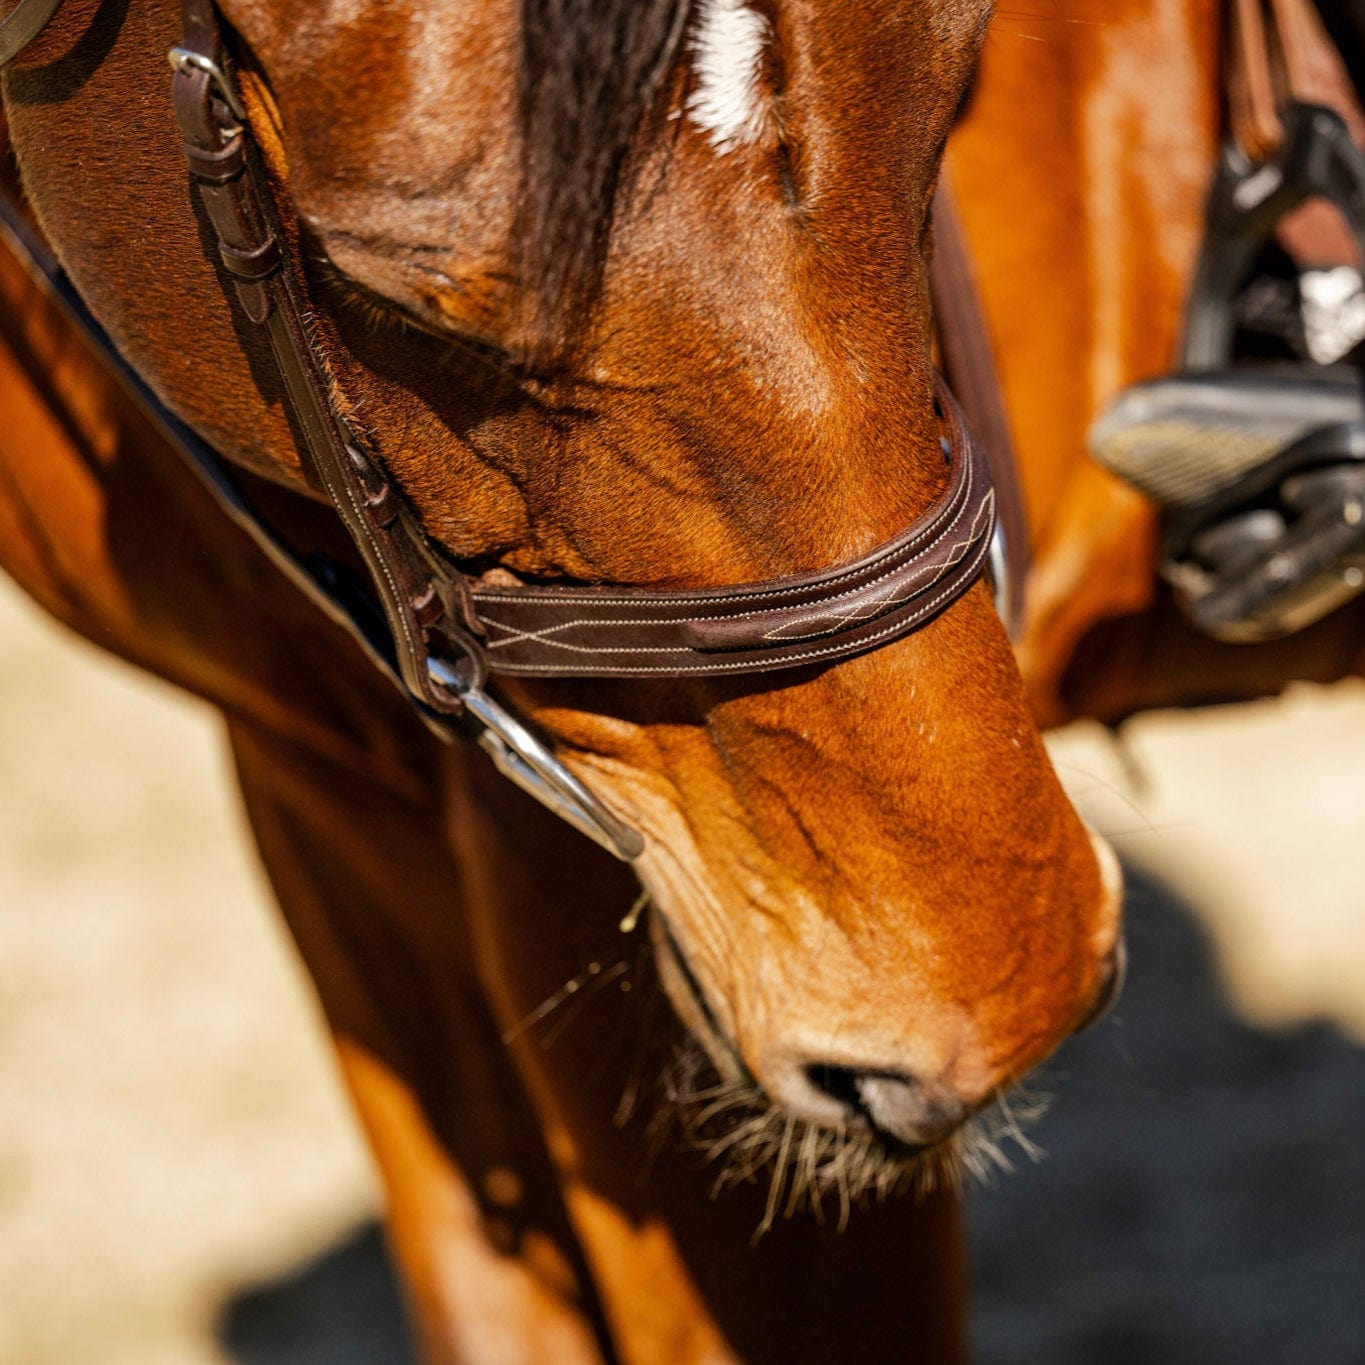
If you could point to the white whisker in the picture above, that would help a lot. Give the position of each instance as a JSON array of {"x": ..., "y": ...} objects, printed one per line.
[{"x": 734, "y": 1126}]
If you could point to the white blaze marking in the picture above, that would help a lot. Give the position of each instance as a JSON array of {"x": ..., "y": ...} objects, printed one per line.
[{"x": 727, "y": 58}]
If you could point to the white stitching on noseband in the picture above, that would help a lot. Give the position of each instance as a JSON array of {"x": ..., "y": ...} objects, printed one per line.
[{"x": 728, "y": 103}]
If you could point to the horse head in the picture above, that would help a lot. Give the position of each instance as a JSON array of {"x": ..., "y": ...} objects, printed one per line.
[{"x": 634, "y": 292}]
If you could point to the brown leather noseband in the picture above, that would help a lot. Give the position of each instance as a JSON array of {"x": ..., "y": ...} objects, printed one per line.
[{"x": 449, "y": 633}]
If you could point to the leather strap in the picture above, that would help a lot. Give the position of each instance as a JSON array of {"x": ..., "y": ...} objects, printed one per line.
[
  {"x": 1280, "y": 52},
  {"x": 427, "y": 604},
  {"x": 1253, "y": 103},
  {"x": 1281, "y": 56},
  {"x": 970, "y": 368},
  {"x": 782, "y": 623}
]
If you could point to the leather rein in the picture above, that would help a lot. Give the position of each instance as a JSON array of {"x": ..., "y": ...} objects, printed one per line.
[{"x": 445, "y": 634}]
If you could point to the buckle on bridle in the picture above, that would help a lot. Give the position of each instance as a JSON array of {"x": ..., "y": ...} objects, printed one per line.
[
  {"x": 183, "y": 60},
  {"x": 524, "y": 759}
]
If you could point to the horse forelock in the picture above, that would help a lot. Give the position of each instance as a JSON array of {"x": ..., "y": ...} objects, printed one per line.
[{"x": 595, "y": 75}]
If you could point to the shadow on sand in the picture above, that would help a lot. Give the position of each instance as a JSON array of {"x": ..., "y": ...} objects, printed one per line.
[
  {"x": 341, "y": 1309},
  {"x": 1203, "y": 1197},
  {"x": 1203, "y": 1200}
]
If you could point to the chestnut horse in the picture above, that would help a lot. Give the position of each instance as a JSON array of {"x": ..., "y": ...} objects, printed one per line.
[{"x": 658, "y": 320}]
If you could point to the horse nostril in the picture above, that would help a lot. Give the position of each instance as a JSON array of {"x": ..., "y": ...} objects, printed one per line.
[
  {"x": 838, "y": 1082},
  {"x": 896, "y": 1105}
]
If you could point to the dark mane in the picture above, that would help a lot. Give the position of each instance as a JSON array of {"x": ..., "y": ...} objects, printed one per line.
[{"x": 594, "y": 78}]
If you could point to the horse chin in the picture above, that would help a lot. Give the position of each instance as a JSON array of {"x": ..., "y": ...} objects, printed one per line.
[
  {"x": 823, "y": 1169},
  {"x": 823, "y": 1164}
]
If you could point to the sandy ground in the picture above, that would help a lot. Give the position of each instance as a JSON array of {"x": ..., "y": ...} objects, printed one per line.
[
  {"x": 1255, "y": 816},
  {"x": 171, "y": 1128},
  {"x": 173, "y": 1137}
]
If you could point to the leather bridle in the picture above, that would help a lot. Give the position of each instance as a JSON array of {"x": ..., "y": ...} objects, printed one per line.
[{"x": 446, "y": 633}]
